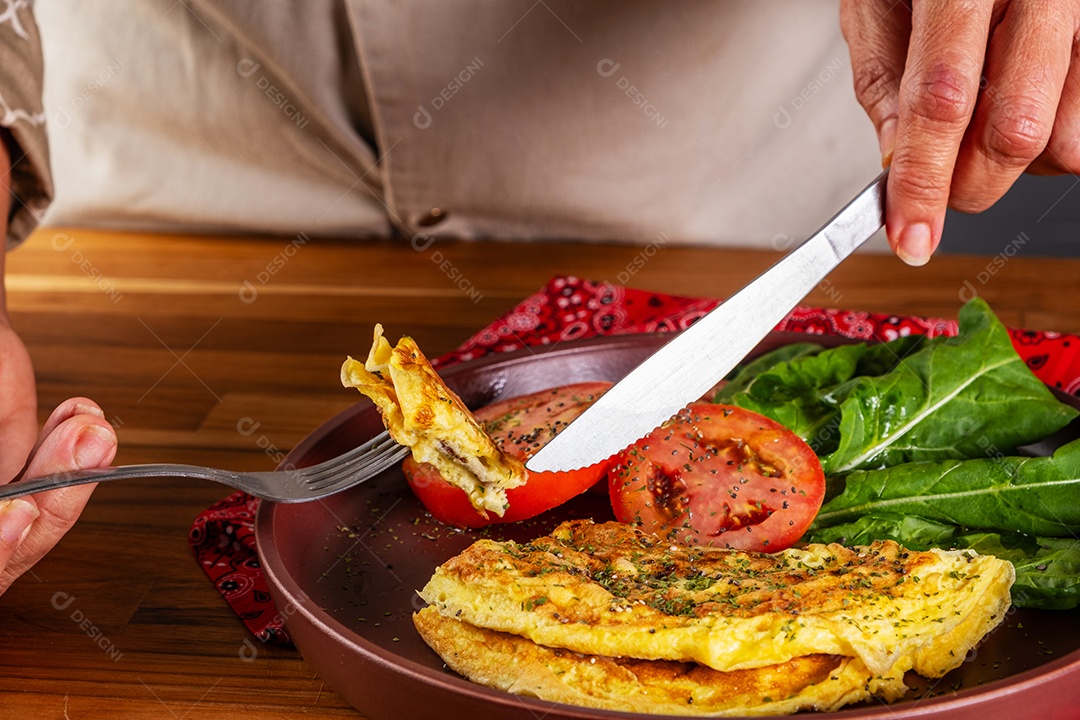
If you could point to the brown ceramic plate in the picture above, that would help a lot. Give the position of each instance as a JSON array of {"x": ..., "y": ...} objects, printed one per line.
[{"x": 344, "y": 572}]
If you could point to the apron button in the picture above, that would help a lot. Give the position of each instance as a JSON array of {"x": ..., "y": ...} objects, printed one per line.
[{"x": 432, "y": 217}]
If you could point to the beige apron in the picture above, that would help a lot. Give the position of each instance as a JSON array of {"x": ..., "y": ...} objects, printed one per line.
[
  {"x": 23, "y": 119},
  {"x": 726, "y": 122}
]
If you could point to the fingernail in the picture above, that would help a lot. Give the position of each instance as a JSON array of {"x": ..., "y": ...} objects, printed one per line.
[
  {"x": 92, "y": 446},
  {"x": 915, "y": 245},
  {"x": 887, "y": 141},
  {"x": 84, "y": 409},
  {"x": 16, "y": 517}
]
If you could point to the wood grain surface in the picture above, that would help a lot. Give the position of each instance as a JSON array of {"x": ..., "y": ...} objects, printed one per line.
[{"x": 181, "y": 338}]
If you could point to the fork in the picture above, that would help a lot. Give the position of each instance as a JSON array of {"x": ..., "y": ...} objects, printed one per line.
[{"x": 292, "y": 485}]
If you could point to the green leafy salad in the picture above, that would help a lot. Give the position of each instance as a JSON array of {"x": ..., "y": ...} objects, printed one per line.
[{"x": 921, "y": 439}]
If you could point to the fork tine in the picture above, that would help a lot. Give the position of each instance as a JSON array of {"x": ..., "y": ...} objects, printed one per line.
[
  {"x": 374, "y": 456},
  {"x": 366, "y": 460},
  {"x": 372, "y": 465},
  {"x": 364, "y": 450},
  {"x": 348, "y": 475}
]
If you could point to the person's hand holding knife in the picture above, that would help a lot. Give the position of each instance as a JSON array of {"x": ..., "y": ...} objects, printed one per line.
[{"x": 965, "y": 95}]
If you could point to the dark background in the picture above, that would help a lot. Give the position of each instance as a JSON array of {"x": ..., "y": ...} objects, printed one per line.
[{"x": 1038, "y": 216}]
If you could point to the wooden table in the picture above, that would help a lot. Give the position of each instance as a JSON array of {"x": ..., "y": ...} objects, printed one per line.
[{"x": 180, "y": 338}]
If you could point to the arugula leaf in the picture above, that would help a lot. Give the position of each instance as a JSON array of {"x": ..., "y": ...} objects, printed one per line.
[
  {"x": 911, "y": 531},
  {"x": 1047, "y": 569},
  {"x": 865, "y": 407},
  {"x": 801, "y": 386},
  {"x": 1035, "y": 496},
  {"x": 968, "y": 396},
  {"x": 741, "y": 379}
]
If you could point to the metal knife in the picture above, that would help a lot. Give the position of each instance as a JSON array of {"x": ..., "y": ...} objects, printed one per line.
[{"x": 697, "y": 358}]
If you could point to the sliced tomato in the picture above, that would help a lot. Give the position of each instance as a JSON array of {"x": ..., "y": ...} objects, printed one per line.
[
  {"x": 521, "y": 426},
  {"x": 720, "y": 476}
]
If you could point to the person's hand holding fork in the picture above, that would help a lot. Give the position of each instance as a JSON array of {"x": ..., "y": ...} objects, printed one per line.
[{"x": 76, "y": 436}]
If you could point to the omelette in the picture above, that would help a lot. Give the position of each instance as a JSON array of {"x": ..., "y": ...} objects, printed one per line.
[
  {"x": 422, "y": 413},
  {"x": 513, "y": 664},
  {"x": 613, "y": 591}
]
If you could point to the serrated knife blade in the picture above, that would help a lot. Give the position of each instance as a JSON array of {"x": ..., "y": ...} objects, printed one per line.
[{"x": 697, "y": 358}]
